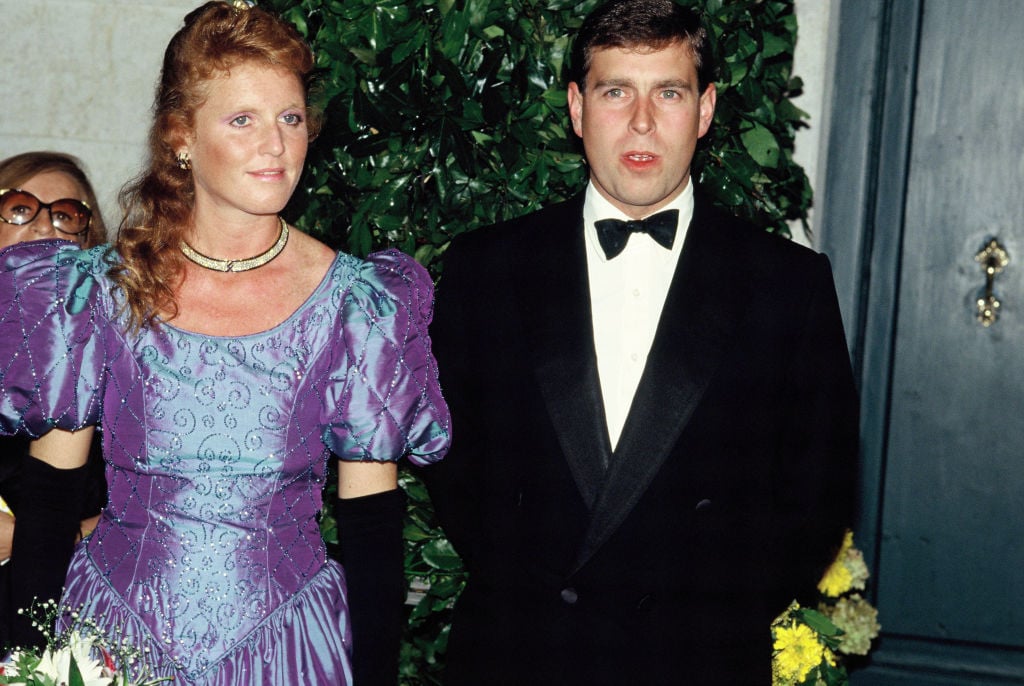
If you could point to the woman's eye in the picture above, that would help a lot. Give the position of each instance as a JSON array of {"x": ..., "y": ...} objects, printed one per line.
[
  {"x": 292, "y": 119},
  {"x": 240, "y": 120}
]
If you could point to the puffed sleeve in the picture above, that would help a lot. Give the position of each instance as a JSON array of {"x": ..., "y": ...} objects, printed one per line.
[
  {"x": 387, "y": 402},
  {"x": 50, "y": 368}
]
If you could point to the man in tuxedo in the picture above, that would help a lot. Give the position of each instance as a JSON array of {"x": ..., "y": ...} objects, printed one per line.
[{"x": 655, "y": 421}]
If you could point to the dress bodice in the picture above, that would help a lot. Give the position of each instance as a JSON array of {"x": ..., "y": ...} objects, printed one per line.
[{"x": 216, "y": 447}]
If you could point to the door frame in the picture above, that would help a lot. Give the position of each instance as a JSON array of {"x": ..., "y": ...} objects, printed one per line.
[
  {"x": 862, "y": 213},
  {"x": 862, "y": 220}
]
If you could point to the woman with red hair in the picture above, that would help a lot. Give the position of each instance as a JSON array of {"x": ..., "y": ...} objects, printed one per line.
[{"x": 227, "y": 355}]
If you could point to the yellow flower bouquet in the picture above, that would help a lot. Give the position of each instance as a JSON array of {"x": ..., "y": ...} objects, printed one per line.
[{"x": 809, "y": 644}]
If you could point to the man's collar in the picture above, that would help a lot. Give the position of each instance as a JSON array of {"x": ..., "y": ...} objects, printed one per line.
[{"x": 596, "y": 206}]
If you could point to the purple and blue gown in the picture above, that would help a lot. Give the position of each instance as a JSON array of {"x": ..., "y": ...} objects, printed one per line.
[{"x": 208, "y": 556}]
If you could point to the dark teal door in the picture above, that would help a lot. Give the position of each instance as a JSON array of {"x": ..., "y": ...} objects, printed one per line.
[{"x": 931, "y": 165}]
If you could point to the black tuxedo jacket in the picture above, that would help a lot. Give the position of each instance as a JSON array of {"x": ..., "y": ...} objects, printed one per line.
[{"x": 664, "y": 561}]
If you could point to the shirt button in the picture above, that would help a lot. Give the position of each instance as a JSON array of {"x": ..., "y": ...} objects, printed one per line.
[
  {"x": 569, "y": 595},
  {"x": 636, "y": 292}
]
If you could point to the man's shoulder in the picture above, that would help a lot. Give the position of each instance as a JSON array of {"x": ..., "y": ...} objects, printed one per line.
[
  {"x": 747, "y": 242},
  {"x": 750, "y": 258}
]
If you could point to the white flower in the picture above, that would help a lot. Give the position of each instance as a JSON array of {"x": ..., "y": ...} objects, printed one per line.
[{"x": 56, "y": 663}]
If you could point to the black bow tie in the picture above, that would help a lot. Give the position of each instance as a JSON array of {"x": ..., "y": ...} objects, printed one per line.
[{"x": 612, "y": 234}]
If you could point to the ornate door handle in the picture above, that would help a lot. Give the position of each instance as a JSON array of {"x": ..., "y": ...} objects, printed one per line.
[{"x": 993, "y": 258}]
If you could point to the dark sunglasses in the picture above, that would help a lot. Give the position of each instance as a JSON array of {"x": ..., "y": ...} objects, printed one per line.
[{"x": 67, "y": 215}]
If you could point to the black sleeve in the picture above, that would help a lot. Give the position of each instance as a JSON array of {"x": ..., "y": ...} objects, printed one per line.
[
  {"x": 47, "y": 521},
  {"x": 12, "y": 449},
  {"x": 816, "y": 483},
  {"x": 95, "y": 495},
  {"x": 372, "y": 553},
  {"x": 451, "y": 482}
]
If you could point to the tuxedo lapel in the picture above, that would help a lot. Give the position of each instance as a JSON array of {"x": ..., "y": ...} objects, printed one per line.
[
  {"x": 555, "y": 309},
  {"x": 701, "y": 311}
]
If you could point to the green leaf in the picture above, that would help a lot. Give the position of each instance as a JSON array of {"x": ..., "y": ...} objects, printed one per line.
[
  {"x": 774, "y": 45},
  {"x": 556, "y": 98},
  {"x": 819, "y": 622},
  {"x": 440, "y": 554},
  {"x": 298, "y": 18},
  {"x": 762, "y": 146},
  {"x": 364, "y": 55},
  {"x": 75, "y": 674}
]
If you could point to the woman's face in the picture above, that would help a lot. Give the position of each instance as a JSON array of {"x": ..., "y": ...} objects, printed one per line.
[
  {"x": 249, "y": 142},
  {"x": 48, "y": 187}
]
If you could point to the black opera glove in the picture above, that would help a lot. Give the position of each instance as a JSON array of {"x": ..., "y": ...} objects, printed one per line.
[
  {"x": 45, "y": 528},
  {"x": 373, "y": 555}
]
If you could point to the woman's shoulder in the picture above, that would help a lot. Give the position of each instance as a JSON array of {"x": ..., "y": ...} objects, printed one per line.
[
  {"x": 394, "y": 265},
  {"x": 381, "y": 282},
  {"x": 384, "y": 270},
  {"x": 398, "y": 274}
]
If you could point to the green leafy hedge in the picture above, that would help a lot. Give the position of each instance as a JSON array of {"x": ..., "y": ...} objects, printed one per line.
[{"x": 444, "y": 116}]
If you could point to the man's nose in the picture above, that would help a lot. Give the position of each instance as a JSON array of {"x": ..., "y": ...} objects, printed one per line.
[{"x": 642, "y": 120}]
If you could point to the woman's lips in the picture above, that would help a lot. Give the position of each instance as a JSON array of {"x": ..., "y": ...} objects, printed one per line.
[{"x": 268, "y": 174}]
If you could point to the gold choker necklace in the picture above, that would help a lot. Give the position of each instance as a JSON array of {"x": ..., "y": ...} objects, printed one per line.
[{"x": 238, "y": 265}]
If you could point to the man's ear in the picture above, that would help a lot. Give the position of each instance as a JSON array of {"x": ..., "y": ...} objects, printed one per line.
[
  {"x": 707, "y": 108},
  {"x": 575, "y": 97}
]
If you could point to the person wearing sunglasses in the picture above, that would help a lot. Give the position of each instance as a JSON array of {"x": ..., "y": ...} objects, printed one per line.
[
  {"x": 47, "y": 195},
  {"x": 43, "y": 195}
]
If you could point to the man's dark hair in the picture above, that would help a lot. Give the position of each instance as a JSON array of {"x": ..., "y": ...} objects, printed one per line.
[{"x": 653, "y": 24}]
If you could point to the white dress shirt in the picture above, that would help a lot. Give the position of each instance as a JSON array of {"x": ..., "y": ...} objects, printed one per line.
[{"x": 627, "y": 294}]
